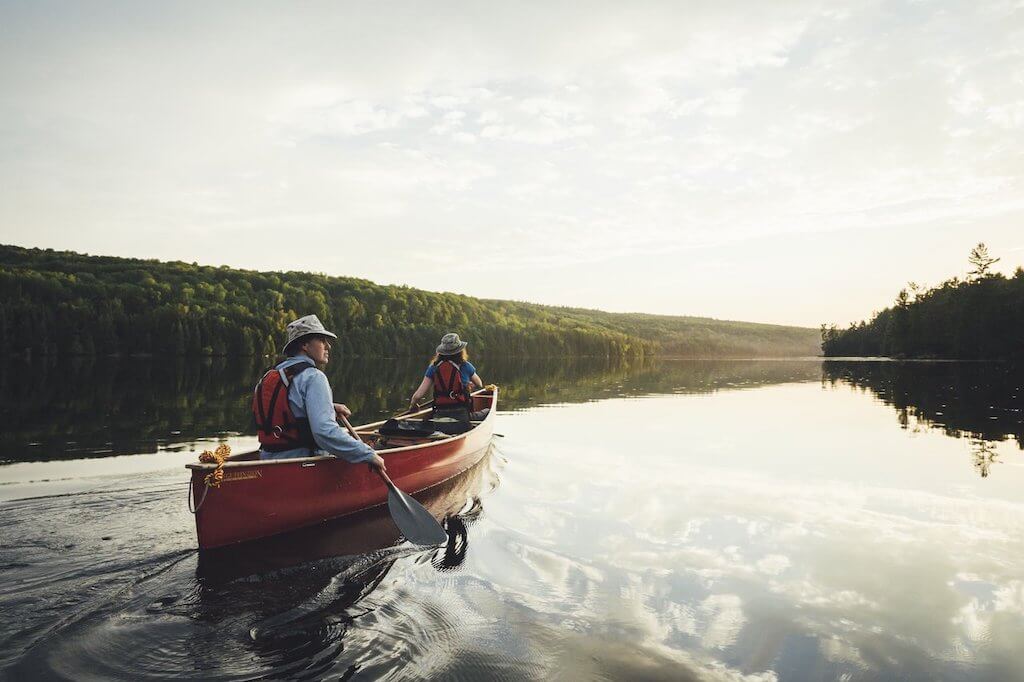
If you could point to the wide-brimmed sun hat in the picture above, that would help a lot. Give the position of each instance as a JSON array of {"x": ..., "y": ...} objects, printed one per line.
[
  {"x": 304, "y": 326},
  {"x": 451, "y": 344}
]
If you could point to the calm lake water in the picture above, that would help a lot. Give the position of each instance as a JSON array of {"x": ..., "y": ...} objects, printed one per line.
[{"x": 757, "y": 520}]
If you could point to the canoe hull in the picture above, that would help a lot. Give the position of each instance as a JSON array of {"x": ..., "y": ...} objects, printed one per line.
[{"x": 258, "y": 499}]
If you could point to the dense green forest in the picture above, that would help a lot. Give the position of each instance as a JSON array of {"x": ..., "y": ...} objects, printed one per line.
[
  {"x": 64, "y": 303},
  {"x": 978, "y": 318}
]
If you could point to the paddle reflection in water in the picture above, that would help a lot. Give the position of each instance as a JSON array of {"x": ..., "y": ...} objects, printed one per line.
[
  {"x": 294, "y": 605},
  {"x": 733, "y": 522},
  {"x": 356, "y": 534}
]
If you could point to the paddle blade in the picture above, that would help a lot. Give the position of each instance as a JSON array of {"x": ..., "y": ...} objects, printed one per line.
[{"x": 415, "y": 522}]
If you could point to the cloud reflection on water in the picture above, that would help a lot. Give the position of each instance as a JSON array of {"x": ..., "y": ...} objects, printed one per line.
[
  {"x": 711, "y": 536},
  {"x": 680, "y": 530}
]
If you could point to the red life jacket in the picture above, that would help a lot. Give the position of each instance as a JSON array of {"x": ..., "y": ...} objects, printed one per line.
[
  {"x": 278, "y": 429},
  {"x": 449, "y": 391}
]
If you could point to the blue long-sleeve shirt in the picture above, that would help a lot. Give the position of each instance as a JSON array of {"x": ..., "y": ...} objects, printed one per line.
[{"x": 310, "y": 396}]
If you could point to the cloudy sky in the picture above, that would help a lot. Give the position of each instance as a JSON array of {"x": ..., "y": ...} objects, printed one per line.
[{"x": 792, "y": 162}]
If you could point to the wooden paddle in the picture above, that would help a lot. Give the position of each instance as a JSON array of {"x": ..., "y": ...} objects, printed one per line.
[
  {"x": 412, "y": 410},
  {"x": 415, "y": 522}
]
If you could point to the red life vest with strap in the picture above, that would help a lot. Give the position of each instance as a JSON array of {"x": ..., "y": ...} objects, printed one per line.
[
  {"x": 278, "y": 429},
  {"x": 449, "y": 391}
]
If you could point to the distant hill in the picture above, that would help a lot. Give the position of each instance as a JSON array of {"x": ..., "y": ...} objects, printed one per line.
[{"x": 61, "y": 302}]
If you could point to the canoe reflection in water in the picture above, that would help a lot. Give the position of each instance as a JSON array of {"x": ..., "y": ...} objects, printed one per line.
[{"x": 300, "y": 588}]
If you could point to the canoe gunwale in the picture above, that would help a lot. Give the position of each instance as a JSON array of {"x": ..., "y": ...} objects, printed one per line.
[{"x": 229, "y": 464}]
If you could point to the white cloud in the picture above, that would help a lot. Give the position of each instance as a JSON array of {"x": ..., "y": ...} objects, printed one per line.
[
  {"x": 686, "y": 128},
  {"x": 726, "y": 619}
]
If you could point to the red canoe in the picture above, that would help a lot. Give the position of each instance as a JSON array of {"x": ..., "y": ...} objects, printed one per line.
[{"x": 259, "y": 498}]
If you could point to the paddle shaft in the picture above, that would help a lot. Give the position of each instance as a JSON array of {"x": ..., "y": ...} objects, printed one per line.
[
  {"x": 413, "y": 410},
  {"x": 352, "y": 432},
  {"x": 380, "y": 472}
]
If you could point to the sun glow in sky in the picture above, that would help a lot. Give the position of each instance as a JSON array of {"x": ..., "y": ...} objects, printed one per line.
[{"x": 791, "y": 162}]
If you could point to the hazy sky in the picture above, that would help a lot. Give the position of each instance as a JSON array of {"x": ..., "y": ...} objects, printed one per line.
[{"x": 791, "y": 162}]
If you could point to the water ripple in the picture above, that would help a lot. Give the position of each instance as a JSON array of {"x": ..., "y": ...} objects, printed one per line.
[{"x": 343, "y": 598}]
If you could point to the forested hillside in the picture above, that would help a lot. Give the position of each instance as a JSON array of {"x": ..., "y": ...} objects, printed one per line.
[
  {"x": 979, "y": 318},
  {"x": 59, "y": 302}
]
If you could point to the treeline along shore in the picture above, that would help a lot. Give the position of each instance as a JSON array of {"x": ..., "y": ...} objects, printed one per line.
[
  {"x": 977, "y": 318},
  {"x": 66, "y": 303}
]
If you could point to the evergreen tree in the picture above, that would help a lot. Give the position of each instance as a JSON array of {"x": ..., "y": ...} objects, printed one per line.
[{"x": 981, "y": 261}]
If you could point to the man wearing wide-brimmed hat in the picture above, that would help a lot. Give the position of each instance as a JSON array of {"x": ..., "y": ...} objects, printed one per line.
[{"x": 308, "y": 425}]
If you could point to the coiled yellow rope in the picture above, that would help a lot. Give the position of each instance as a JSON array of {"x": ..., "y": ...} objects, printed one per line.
[{"x": 218, "y": 456}]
